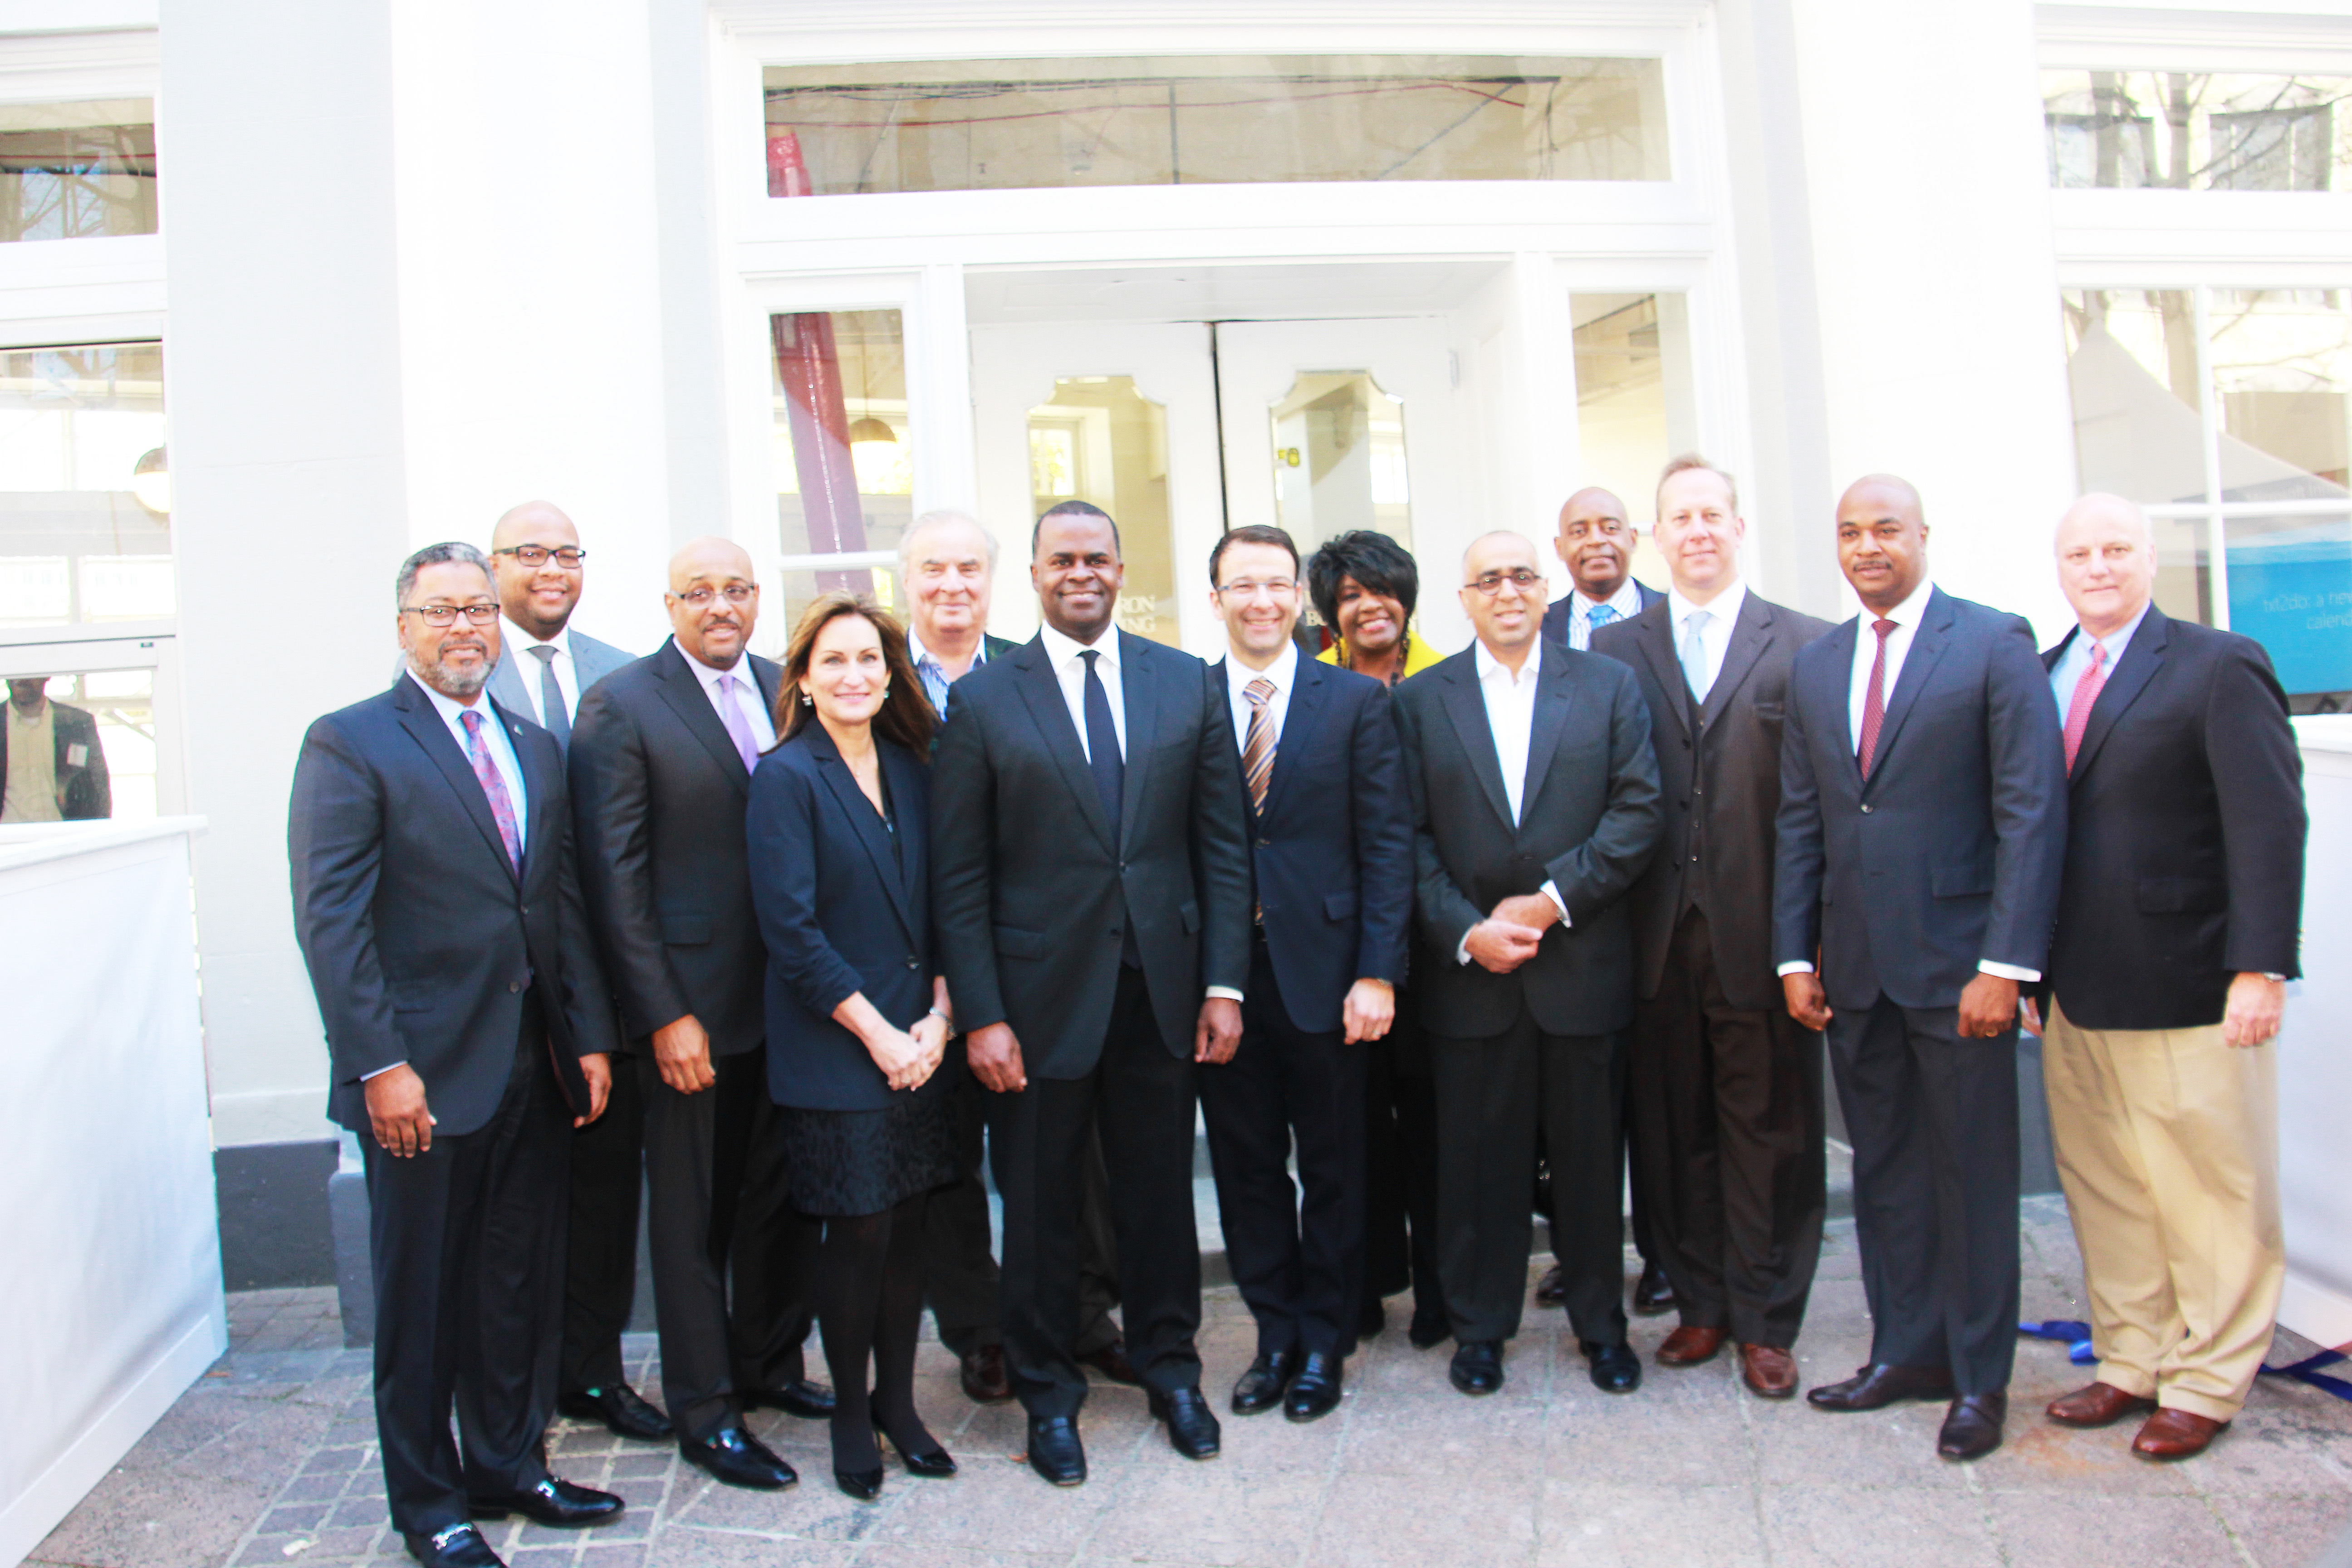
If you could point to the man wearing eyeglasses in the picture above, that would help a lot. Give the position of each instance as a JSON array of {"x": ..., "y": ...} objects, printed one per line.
[
  {"x": 661, "y": 775},
  {"x": 1536, "y": 804}
]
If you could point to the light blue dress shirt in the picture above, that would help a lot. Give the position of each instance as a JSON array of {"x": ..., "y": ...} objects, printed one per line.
[
  {"x": 2077, "y": 658},
  {"x": 501, "y": 744}
]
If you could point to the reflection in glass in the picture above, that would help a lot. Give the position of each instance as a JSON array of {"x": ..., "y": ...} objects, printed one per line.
[
  {"x": 2282, "y": 375},
  {"x": 2291, "y": 590},
  {"x": 2195, "y": 131},
  {"x": 1005, "y": 124},
  {"x": 842, "y": 457},
  {"x": 72, "y": 171},
  {"x": 1102, "y": 441},
  {"x": 1338, "y": 459},
  {"x": 78, "y": 747},
  {"x": 2131, "y": 364},
  {"x": 1632, "y": 407},
  {"x": 76, "y": 542}
]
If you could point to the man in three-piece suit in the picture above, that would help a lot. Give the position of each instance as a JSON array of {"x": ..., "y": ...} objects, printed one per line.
[
  {"x": 1091, "y": 881},
  {"x": 437, "y": 905},
  {"x": 1922, "y": 826},
  {"x": 661, "y": 768},
  {"x": 1331, "y": 844},
  {"x": 1724, "y": 1087},
  {"x": 543, "y": 667},
  {"x": 2177, "y": 934},
  {"x": 1535, "y": 800},
  {"x": 947, "y": 563}
]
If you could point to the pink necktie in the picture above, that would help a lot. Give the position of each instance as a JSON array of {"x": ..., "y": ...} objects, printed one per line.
[
  {"x": 737, "y": 722},
  {"x": 2086, "y": 693},
  {"x": 1873, "y": 702},
  {"x": 478, "y": 752}
]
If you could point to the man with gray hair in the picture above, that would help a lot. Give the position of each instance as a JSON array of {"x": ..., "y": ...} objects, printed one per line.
[{"x": 429, "y": 838}]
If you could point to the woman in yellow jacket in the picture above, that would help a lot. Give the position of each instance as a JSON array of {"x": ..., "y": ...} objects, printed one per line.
[{"x": 1364, "y": 584}]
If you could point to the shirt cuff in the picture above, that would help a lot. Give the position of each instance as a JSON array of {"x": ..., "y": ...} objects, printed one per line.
[
  {"x": 1551, "y": 892},
  {"x": 1227, "y": 992},
  {"x": 1799, "y": 966},
  {"x": 2010, "y": 972},
  {"x": 381, "y": 1071}
]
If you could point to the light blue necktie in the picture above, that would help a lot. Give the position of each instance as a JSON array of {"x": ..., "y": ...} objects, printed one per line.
[
  {"x": 1597, "y": 617},
  {"x": 1695, "y": 653}
]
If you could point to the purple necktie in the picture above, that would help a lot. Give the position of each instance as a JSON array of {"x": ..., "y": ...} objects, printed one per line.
[
  {"x": 478, "y": 752},
  {"x": 737, "y": 722}
]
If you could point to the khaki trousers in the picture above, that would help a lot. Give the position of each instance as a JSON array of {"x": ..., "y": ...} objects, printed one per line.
[{"x": 2168, "y": 1146}]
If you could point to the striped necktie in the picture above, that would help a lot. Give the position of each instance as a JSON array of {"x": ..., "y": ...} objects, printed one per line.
[
  {"x": 1257, "y": 749},
  {"x": 477, "y": 752}
]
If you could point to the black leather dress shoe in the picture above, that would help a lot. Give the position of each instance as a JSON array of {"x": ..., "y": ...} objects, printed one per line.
[
  {"x": 621, "y": 1410},
  {"x": 1314, "y": 1392},
  {"x": 1972, "y": 1427},
  {"x": 1373, "y": 1318},
  {"x": 864, "y": 1485},
  {"x": 1477, "y": 1366},
  {"x": 558, "y": 1504},
  {"x": 733, "y": 1455},
  {"x": 809, "y": 1401},
  {"x": 1875, "y": 1386},
  {"x": 1615, "y": 1368},
  {"x": 1552, "y": 1289},
  {"x": 1260, "y": 1388},
  {"x": 458, "y": 1546},
  {"x": 1653, "y": 1293},
  {"x": 1055, "y": 1451},
  {"x": 986, "y": 1380},
  {"x": 1192, "y": 1429},
  {"x": 1429, "y": 1328}
]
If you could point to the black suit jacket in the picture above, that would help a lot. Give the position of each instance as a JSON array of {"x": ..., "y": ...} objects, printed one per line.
[
  {"x": 1555, "y": 621},
  {"x": 1332, "y": 851},
  {"x": 2185, "y": 838},
  {"x": 844, "y": 909},
  {"x": 1950, "y": 855},
  {"x": 659, "y": 795},
  {"x": 1029, "y": 893},
  {"x": 1589, "y": 824},
  {"x": 85, "y": 794},
  {"x": 1719, "y": 769},
  {"x": 419, "y": 935}
]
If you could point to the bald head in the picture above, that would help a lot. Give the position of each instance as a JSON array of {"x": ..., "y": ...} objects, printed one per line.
[
  {"x": 534, "y": 523},
  {"x": 1503, "y": 593},
  {"x": 1889, "y": 492},
  {"x": 713, "y": 600},
  {"x": 537, "y": 589},
  {"x": 2107, "y": 561},
  {"x": 1595, "y": 543},
  {"x": 1882, "y": 539}
]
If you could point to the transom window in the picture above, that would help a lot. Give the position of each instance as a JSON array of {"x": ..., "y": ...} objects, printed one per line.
[{"x": 2192, "y": 131}]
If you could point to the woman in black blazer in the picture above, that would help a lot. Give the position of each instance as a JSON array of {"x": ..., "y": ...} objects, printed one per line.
[{"x": 858, "y": 1018}]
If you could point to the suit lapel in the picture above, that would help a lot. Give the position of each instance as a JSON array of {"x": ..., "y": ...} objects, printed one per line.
[
  {"x": 1468, "y": 711},
  {"x": 682, "y": 690},
  {"x": 1750, "y": 635},
  {"x": 1927, "y": 645},
  {"x": 422, "y": 722},
  {"x": 506, "y": 681},
  {"x": 2137, "y": 666},
  {"x": 1140, "y": 693},
  {"x": 538, "y": 788},
  {"x": 1309, "y": 684},
  {"x": 1552, "y": 683},
  {"x": 1839, "y": 699},
  {"x": 1042, "y": 692},
  {"x": 863, "y": 818},
  {"x": 1654, "y": 635}
]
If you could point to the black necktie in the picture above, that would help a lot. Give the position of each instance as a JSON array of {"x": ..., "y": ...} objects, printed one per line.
[
  {"x": 1102, "y": 743},
  {"x": 551, "y": 697}
]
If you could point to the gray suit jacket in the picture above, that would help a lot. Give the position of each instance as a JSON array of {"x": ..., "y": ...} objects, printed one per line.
[{"x": 593, "y": 660}]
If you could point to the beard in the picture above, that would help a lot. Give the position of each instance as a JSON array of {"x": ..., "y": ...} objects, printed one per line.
[{"x": 448, "y": 682}]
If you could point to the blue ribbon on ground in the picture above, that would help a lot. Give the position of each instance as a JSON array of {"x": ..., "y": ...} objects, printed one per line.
[
  {"x": 2076, "y": 1338},
  {"x": 2307, "y": 1370}
]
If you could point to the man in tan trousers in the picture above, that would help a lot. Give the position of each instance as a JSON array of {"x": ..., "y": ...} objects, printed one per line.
[{"x": 2177, "y": 931}]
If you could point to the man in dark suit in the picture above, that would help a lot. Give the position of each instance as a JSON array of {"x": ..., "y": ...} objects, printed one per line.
[
  {"x": 544, "y": 664},
  {"x": 2177, "y": 934},
  {"x": 1725, "y": 1088},
  {"x": 58, "y": 774},
  {"x": 1331, "y": 843},
  {"x": 1923, "y": 822},
  {"x": 1535, "y": 800},
  {"x": 437, "y": 905},
  {"x": 947, "y": 563},
  {"x": 661, "y": 775},
  {"x": 1091, "y": 880}
]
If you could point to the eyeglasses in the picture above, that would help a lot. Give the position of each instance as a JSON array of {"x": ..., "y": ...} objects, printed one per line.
[
  {"x": 1492, "y": 583},
  {"x": 1279, "y": 590},
  {"x": 537, "y": 554},
  {"x": 446, "y": 615},
  {"x": 734, "y": 594}
]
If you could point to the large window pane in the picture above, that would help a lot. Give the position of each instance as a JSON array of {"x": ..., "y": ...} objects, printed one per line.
[
  {"x": 1103, "y": 442},
  {"x": 72, "y": 171},
  {"x": 1632, "y": 407},
  {"x": 2283, "y": 373},
  {"x": 1340, "y": 460},
  {"x": 79, "y": 747},
  {"x": 2291, "y": 590},
  {"x": 84, "y": 502},
  {"x": 1001, "y": 125},
  {"x": 2190, "y": 131},
  {"x": 2131, "y": 362},
  {"x": 843, "y": 453}
]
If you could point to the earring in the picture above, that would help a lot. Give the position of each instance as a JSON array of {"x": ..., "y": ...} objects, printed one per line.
[{"x": 806, "y": 700}]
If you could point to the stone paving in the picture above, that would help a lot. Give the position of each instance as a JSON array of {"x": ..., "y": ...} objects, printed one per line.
[{"x": 271, "y": 1459}]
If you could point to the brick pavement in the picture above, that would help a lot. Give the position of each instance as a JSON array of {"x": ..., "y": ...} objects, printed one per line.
[{"x": 271, "y": 1459}]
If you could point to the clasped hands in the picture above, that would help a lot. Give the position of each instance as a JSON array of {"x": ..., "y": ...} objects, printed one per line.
[{"x": 1509, "y": 937}]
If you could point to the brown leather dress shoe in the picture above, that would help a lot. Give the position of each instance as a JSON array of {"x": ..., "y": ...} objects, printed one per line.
[
  {"x": 2175, "y": 1434},
  {"x": 2095, "y": 1404},
  {"x": 1689, "y": 1345},
  {"x": 1112, "y": 1362},
  {"x": 1877, "y": 1387},
  {"x": 985, "y": 1379},
  {"x": 1769, "y": 1371}
]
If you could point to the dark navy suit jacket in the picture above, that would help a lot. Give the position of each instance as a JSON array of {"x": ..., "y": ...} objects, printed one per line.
[
  {"x": 419, "y": 934},
  {"x": 843, "y": 909},
  {"x": 1333, "y": 849},
  {"x": 1950, "y": 855},
  {"x": 1555, "y": 621}
]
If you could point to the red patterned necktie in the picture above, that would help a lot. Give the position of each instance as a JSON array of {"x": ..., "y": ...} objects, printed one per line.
[
  {"x": 1874, "y": 705},
  {"x": 1257, "y": 749},
  {"x": 2086, "y": 692},
  {"x": 478, "y": 752}
]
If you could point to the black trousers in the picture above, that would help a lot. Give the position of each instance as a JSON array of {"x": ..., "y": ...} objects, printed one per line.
[
  {"x": 959, "y": 1273},
  {"x": 1727, "y": 1102},
  {"x": 1300, "y": 1266},
  {"x": 608, "y": 1178},
  {"x": 715, "y": 1178},
  {"x": 1144, "y": 1096},
  {"x": 1492, "y": 1093},
  {"x": 1934, "y": 1123},
  {"x": 466, "y": 1245},
  {"x": 1401, "y": 1165}
]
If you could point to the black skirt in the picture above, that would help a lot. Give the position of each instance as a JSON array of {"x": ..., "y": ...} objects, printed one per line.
[{"x": 844, "y": 1163}]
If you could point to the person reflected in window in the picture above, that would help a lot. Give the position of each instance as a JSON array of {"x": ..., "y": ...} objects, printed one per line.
[{"x": 49, "y": 756}]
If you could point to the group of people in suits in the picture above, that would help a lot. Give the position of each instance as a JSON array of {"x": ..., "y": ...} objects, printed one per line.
[{"x": 821, "y": 951}]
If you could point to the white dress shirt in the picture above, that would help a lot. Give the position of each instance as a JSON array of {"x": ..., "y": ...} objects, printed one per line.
[
  {"x": 755, "y": 705},
  {"x": 1511, "y": 719},
  {"x": 1284, "y": 675},
  {"x": 1906, "y": 617},
  {"x": 1626, "y": 601},
  {"x": 527, "y": 666},
  {"x": 1715, "y": 636}
]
